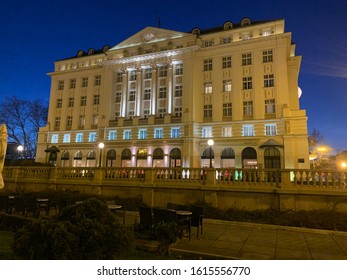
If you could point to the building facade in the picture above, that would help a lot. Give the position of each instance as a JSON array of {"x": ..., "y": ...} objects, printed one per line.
[{"x": 155, "y": 99}]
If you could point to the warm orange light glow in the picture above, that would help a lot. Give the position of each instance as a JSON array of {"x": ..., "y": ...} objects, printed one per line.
[{"x": 344, "y": 165}]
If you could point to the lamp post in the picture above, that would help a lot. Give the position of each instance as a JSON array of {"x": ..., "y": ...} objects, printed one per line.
[
  {"x": 20, "y": 149},
  {"x": 210, "y": 142},
  {"x": 101, "y": 145}
]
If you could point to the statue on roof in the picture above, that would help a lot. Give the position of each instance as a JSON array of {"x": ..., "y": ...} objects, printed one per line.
[{"x": 3, "y": 147}]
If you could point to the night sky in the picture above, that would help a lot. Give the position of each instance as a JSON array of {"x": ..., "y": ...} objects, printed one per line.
[{"x": 35, "y": 33}]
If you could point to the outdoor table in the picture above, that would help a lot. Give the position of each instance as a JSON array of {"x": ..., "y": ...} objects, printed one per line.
[
  {"x": 43, "y": 203},
  {"x": 184, "y": 213}
]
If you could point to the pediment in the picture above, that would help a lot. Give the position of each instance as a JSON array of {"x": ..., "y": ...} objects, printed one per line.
[{"x": 149, "y": 35}]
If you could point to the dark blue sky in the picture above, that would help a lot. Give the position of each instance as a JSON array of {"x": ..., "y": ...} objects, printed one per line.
[{"x": 35, "y": 33}]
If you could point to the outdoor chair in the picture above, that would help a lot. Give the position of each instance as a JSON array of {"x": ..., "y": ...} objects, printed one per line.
[
  {"x": 19, "y": 205},
  {"x": 197, "y": 218},
  {"x": 146, "y": 218},
  {"x": 31, "y": 207}
]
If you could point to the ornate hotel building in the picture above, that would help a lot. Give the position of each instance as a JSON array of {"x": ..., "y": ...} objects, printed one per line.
[{"x": 155, "y": 99}]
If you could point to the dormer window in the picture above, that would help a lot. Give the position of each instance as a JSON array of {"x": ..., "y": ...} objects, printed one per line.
[
  {"x": 245, "y": 22},
  {"x": 228, "y": 25},
  {"x": 196, "y": 31},
  {"x": 91, "y": 51}
]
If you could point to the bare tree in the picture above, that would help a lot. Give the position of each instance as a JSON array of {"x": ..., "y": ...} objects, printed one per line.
[
  {"x": 314, "y": 139},
  {"x": 23, "y": 119}
]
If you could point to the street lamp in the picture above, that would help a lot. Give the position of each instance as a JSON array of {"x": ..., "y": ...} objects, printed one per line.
[
  {"x": 20, "y": 149},
  {"x": 210, "y": 142},
  {"x": 101, "y": 146}
]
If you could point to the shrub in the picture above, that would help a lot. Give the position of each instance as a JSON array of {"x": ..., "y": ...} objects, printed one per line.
[
  {"x": 84, "y": 231},
  {"x": 167, "y": 234}
]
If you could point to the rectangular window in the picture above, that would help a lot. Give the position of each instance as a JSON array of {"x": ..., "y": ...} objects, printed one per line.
[
  {"x": 83, "y": 101},
  {"x": 227, "y": 110},
  {"x": 92, "y": 137},
  {"x": 59, "y": 103},
  {"x": 269, "y": 80},
  {"x": 270, "y": 129},
  {"x": 178, "y": 111},
  {"x": 178, "y": 91},
  {"x": 247, "y": 83},
  {"x": 267, "y": 56},
  {"x": 84, "y": 81},
  {"x": 227, "y": 131},
  {"x": 225, "y": 40},
  {"x": 148, "y": 74},
  {"x": 226, "y": 85},
  {"x": 146, "y": 113},
  {"x": 118, "y": 97},
  {"x": 162, "y": 71},
  {"x": 119, "y": 77},
  {"x": 206, "y": 132},
  {"x": 161, "y": 112},
  {"x": 71, "y": 101},
  {"x": 208, "y": 43},
  {"x": 207, "y": 64},
  {"x": 97, "y": 80},
  {"x": 60, "y": 85},
  {"x": 147, "y": 94},
  {"x": 57, "y": 123},
  {"x": 67, "y": 138},
  {"x": 179, "y": 69},
  {"x": 248, "y": 130},
  {"x": 226, "y": 62},
  {"x": 208, "y": 88},
  {"x": 112, "y": 135},
  {"x": 55, "y": 138},
  {"x": 270, "y": 107},
  {"x": 72, "y": 83},
  {"x": 96, "y": 99},
  {"x": 127, "y": 135},
  {"x": 68, "y": 122},
  {"x": 162, "y": 92},
  {"x": 246, "y": 59},
  {"x": 79, "y": 137},
  {"x": 132, "y": 95},
  {"x": 158, "y": 133},
  {"x": 248, "y": 108},
  {"x": 142, "y": 134},
  {"x": 208, "y": 111},
  {"x": 132, "y": 76},
  {"x": 175, "y": 132}
]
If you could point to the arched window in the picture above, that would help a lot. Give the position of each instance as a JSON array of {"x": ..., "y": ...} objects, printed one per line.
[
  {"x": 272, "y": 158},
  {"x": 158, "y": 158},
  {"x": 110, "y": 157},
  {"x": 228, "y": 25},
  {"x": 126, "y": 158},
  {"x": 228, "y": 158},
  {"x": 175, "y": 157},
  {"x": 245, "y": 22},
  {"x": 249, "y": 158},
  {"x": 91, "y": 159},
  {"x": 65, "y": 158},
  {"x": 141, "y": 159},
  {"x": 77, "y": 159}
]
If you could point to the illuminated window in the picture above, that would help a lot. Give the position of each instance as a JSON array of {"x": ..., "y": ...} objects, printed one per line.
[
  {"x": 206, "y": 132},
  {"x": 92, "y": 137},
  {"x": 248, "y": 130},
  {"x": 162, "y": 92},
  {"x": 247, "y": 83},
  {"x": 207, "y": 64},
  {"x": 67, "y": 138},
  {"x": 227, "y": 131},
  {"x": 175, "y": 132},
  {"x": 227, "y": 110},
  {"x": 97, "y": 80},
  {"x": 127, "y": 135},
  {"x": 79, "y": 137},
  {"x": 248, "y": 108},
  {"x": 132, "y": 76},
  {"x": 55, "y": 138},
  {"x": 158, "y": 133},
  {"x": 132, "y": 95},
  {"x": 59, "y": 103},
  {"x": 142, "y": 134},
  {"x": 267, "y": 56},
  {"x": 226, "y": 62},
  {"x": 208, "y": 111},
  {"x": 60, "y": 85},
  {"x": 270, "y": 129},
  {"x": 83, "y": 101},
  {"x": 246, "y": 59},
  {"x": 112, "y": 135},
  {"x": 179, "y": 69},
  {"x": 95, "y": 119},
  {"x": 226, "y": 85},
  {"x": 178, "y": 91},
  {"x": 148, "y": 74},
  {"x": 269, "y": 80},
  {"x": 270, "y": 107},
  {"x": 208, "y": 88}
]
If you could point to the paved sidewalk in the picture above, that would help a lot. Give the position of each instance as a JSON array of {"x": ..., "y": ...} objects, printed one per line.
[{"x": 249, "y": 241}]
